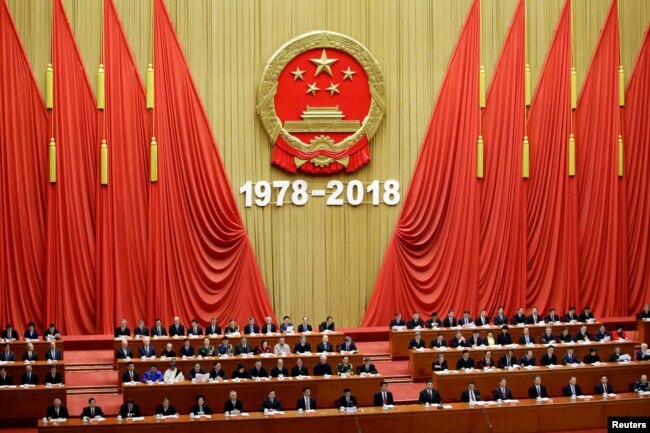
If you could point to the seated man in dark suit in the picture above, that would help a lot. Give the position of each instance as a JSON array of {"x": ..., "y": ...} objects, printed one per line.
[
  {"x": 286, "y": 324},
  {"x": 645, "y": 313},
  {"x": 306, "y": 402},
  {"x": 5, "y": 379},
  {"x": 475, "y": 339},
  {"x": 9, "y": 333},
  {"x": 244, "y": 347},
  {"x": 305, "y": 326},
  {"x": 428, "y": 394},
  {"x": 347, "y": 345},
  {"x": 397, "y": 322},
  {"x": 508, "y": 360},
  {"x": 603, "y": 387},
  {"x": 570, "y": 357},
  {"x": 213, "y": 328},
  {"x": 302, "y": 346},
  {"x": 31, "y": 333},
  {"x": 384, "y": 396},
  {"x": 147, "y": 350},
  {"x": 616, "y": 355},
  {"x": 642, "y": 354},
  {"x": 29, "y": 377},
  {"x": 130, "y": 375},
  {"x": 417, "y": 342},
  {"x": 416, "y": 322},
  {"x": 502, "y": 392},
  {"x": 586, "y": 314},
  {"x": 130, "y": 410},
  {"x": 439, "y": 341},
  {"x": 572, "y": 388},
  {"x": 582, "y": 334},
  {"x": 232, "y": 405},
  {"x": 271, "y": 402},
  {"x": 251, "y": 327},
  {"x": 124, "y": 351},
  {"x": 324, "y": 345},
  {"x": 434, "y": 321},
  {"x": 299, "y": 369},
  {"x": 258, "y": 370},
  {"x": 176, "y": 329},
  {"x": 217, "y": 373},
  {"x": 549, "y": 358},
  {"x": 7, "y": 354},
  {"x": 471, "y": 394},
  {"x": 641, "y": 385},
  {"x": 158, "y": 330},
  {"x": 200, "y": 407},
  {"x": 347, "y": 399},
  {"x": 571, "y": 315},
  {"x": 440, "y": 364},
  {"x": 92, "y": 410},
  {"x": 196, "y": 369},
  {"x": 537, "y": 390},
  {"x": 51, "y": 332},
  {"x": 279, "y": 369},
  {"x": 187, "y": 349},
  {"x": 122, "y": 330},
  {"x": 165, "y": 409},
  {"x": 140, "y": 330},
  {"x": 458, "y": 340},
  {"x": 526, "y": 338},
  {"x": 552, "y": 316},
  {"x": 482, "y": 319},
  {"x": 322, "y": 368},
  {"x": 194, "y": 329},
  {"x": 367, "y": 367},
  {"x": 528, "y": 359},
  {"x": 602, "y": 334},
  {"x": 565, "y": 336},
  {"x": 466, "y": 320},
  {"x": 269, "y": 326},
  {"x": 500, "y": 318},
  {"x": 465, "y": 361},
  {"x": 57, "y": 410},
  {"x": 53, "y": 353},
  {"x": 504, "y": 336},
  {"x": 534, "y": 317},
  {"x": 547, "y": 336},
  {"x": 231, "y": 328},
  {"x": 450, "y": 321},
  {"x": 487, "y": 361},
  {"x": 592, "y": 357},
  {"x": 519, "y": 318},
  {"x": 53, "y": 377}
]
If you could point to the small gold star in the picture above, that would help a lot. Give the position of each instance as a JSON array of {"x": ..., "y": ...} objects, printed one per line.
[
  {"x": 297, "y": 74},
  {"x": 324, "y": 64},
  {"x": 311, "y": 88},
  {"x": 348, "y": 73},
  {"x": 333, "y": 88}
]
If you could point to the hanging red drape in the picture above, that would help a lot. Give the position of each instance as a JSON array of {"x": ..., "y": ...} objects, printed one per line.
[
  {"x": 502, "y": 264},
  {"x": 432, "y": 259},
  {"x": 552, "y": 242},
  {"x": 602, "y": 274},
  {"x": 24, "y": 133},
  {"x": 201, "y": 260},
  {"x": 70, "y": 275},
  {"x": 636, "y": 136},
  {"x": 122, "y": 205}
]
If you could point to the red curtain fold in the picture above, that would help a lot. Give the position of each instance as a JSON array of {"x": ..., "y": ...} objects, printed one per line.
[
  {"x": 636, "y": 136},
  {"x": 502, "y": 264},
  {"x": 552, "y": 242},
  {"x": 201, "y": 260},
  {"x": 122, "y": 206},
  {"x": 432, "y": 259},
  {"x": 601, "y": 228},
  {"x": 70, "y": 251},
  {"x": 24, "y": 133}
]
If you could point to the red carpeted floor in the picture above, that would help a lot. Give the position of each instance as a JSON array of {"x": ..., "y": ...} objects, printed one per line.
[{"x": 88, "y": 357}]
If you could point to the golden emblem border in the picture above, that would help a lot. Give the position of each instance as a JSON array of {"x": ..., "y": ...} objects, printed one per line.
[{"x": 320, "y": 39}]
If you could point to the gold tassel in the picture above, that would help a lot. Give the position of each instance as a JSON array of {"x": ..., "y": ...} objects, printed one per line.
[
  {"x": 479, "y": 157},
  {"x": 481, "y": 87},
  {"x": 572, "y": 156},
  {"x": 101, "y": 90},
  {"x": 49, "y": 87},
  {"x": 103, "y": 174},
  {"x": 527, "y": 86},
  {"x": 526, "y": 159},
  {"x": 52, "y": 150},
  {"x": 621, "y": 86},
  {"x": 150, "y": 86},
  {"x": 154, "y": 159},
  {"x": 574, "y": 89},
  {"x": 620, "y": 156}
]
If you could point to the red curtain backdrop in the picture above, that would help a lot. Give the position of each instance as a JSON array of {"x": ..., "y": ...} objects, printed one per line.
[
  {"x": 70, "y": 276},
  {"x": 552, "y": 233},
  {"x": 636, "y": 136},
  {"x": 502, "y": 261},
  {"x": 602, "y": 236},
  {"x": 24, "y": 133},
  {"x": 432, "y": 259},
  {"x": 201, "y": 260},
  {"x": 122, "y": 206}
]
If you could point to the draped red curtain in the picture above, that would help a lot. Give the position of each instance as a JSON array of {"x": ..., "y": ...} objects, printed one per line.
[
  {"x": 636, "y": 136},
  {"x": 201, "y": 260},
  {"x": 70, "y": 252},
  {"x": 602, "y": 235},
  {"x": 24, "y": 133},
  {"x": 551, "y": 205},
  {"x": 503, "y": 222},
  {"x": 122, "y": 205},
  {"x": 432, "y": 259}
]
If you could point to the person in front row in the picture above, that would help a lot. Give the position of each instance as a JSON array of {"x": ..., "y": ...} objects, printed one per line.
[
  {"x": 196, "y": 369},
  {"x": 244, "y": 348},
  {"x": 5, "y": 379},
  {"x": 429, "y": 394},
  {"x": 582, "y": 334},
  {"x": 572, "y": 388},
  {"x": 537, "y": 390},
  {"x": 31, "y": 333},
  {"x": 571, "y": 315},
  {"x": 53, "y": 377},
  {"x": 347, "y": 399},
  {"x": 165, "y": 409},
  {"x": 502, "y": 392},
  {"x": 251, "y": 327},
  {"x": 482, "y": 319},
  {"x": 141, "y": 330},
  {"x": 146, "y": 350},
  {"x": 466, "y": 320},
  {"x": 344, "y": 367},
  {"x": 645, "y": 312},
  {"x": 465, "y": 361},
  {"x": 322, "y": 368},
  {"x": 279, "y": 370},
  {"x": 53, "y": 354},
  {"x": 9, "y": 333},
  {"x": 519, "y": 318},
  {"x": 29, "y": 377},
  {"x": 158, "y": 329},
  {"x": 92, "y": 410},
  {"x": 417, "y": 342},
  {"x": 534, "y": 317},
  {"x": 440, "y": 364},
  {"x": 565, "y": 336},
  {"x": 271, "y": 402},
  {"x": 302, "y": 346},
  {"x": 642, "y": 354},
  {"x": 195, "y": 329},
  {"x": 475, "y": 339},
  {"x": 603, "y": 334},
  {"x": 122, "y": 330},
  {"x": 547, "y": 336},
  {"x": 328, "y": 325},
  {"x": 187, "y": 350},
  {"x": 397, "y": 321},
  {"x": 367, "y": 367},
  {"x": 258, "y": 370},
  {"x": 7, "y": 355},
  {"x": 500, "y": 319},
  {"x": 200, "y": 407},
  {"x": 51, "y": 332},
  {"x": 176, "y": 329},
  {"x": 299, "y": 369},
  {"x": 152, "y": 375},
  {"x": 549, "y": 358},
  {"x": 383, "y": 397},
  {"x": 458, "y": 340},
  {"x": 641, "y": 385},
  {"x": 173, "y": 374},
  {"x": 286, "y": 324},
  {"x": 240, "y": 372},
  {"x": 508, "y": 360},
  {"x": 306, "y": 402},
  {"x": 526, "y": 338},
  {"x": 434, "y": 321},
  {"x": 438, "y": 342},
  {"x": 217, "y": 373},
  {"x": 450, "y": 321},
  {"x": 124, "y": 352},
  {"x": 130, "y": 375},
  {"x": 168, "y": 352},
  {"x": 603, "y": 387},
  {"x": 415, "y": 322},
  {"x": 57, "y": 410},
  {"x": 304, "y": 326},
  {"x": 471, "y": 394},
  {"x": 570, "y": 357},
  {"x": 486, "y": 361},
  {"x": 130, "y": 410},
  {"x": 528, "y": 359},
  {"x": 347, "y": 345},
  {"x": 232, "y": 327},
  {"x": 213, "y": 328},
  {"x": 269, "y": 327},
  {"x": 504, "y": 337},
  {"x": 552, "y": 316},
  {"x": 232, "y": 405},
  {"x": 586, "y": 314},
  {"x": 592, "y": 357},
  {"x": 325, "y": 345}
]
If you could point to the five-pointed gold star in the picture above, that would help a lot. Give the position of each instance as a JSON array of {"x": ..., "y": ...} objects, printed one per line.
[
  {"x": 324, "y": 64},
  {"x": 297, "y": 74},
  {"x": 348, "y": 73},
  {"x": 333, "y": 88},
  {"x": 311, "y": 88}
]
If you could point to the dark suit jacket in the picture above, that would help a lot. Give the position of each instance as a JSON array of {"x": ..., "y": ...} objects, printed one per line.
[
  {"x": 464, "y": 396},
  {"x": 448, "y": 322},
  {"x": 122, "y": 355},
  {"x": 379, "y": 401},
  {"x": 600, "y": 389},
  {"x": 475, "y": 341},
  {"x": 7, "y": 356},
  {"x": 394, "y": 323},
  {"x": 187, "y": 351},
  {"x": 482, "y": 363},
  {"x": 143, "y": 352},
  {"x": 547, "y": 338},
  {"x": 170, "y": 410},
  {"x": 304, "y": 328},
  {"x": 424, "y": 396},
  {"x": 461, "y": 363},
  {"x": 199, "y": 331},
  {"x": 206, "y": 409},
  {"x": 124, "y": 411},
  {"x": 500, "y": 320},
  {"x": 456, "y": 343},
  {"x": 127, "y": 378},
  {"x": 370, "y": 369},
  {"x": 565, "y": 338},
  {"x": 268, "y": 404},
  {"x": 228, "y": 406},
  {"x": 7, "y": 380},
  {"x": 517, "y": 319},
  {"x": 322, "y": 348},
  {"x": 504, "y": 339},
  {"x": 573, "y": 359},
  {"x": 221, "y": 373},
  {"x": 414, "y": 344},
  {"x": 554, "y": 318},
  {"x": 352, "y": 347},
  {"x": 641, "y": 356},
  {"x": 531, "y": 320},
  {"x": 300, "y": 404},
  {"x": 193, "y": 373},
  {"x": 53, "y": 380},
  {"x": 497, "y": 394},
  {"x": 275, "y": 372},
  {"x": 159, "y": 332},
  {"x": 589, "y": 359},
  {"x": 259, "y": 373},
  {"x": 644, "y": 315},
  {"x": 433, "y": 323},
  {"x": 33, "y": 379},
  {"x": 144, "y": 331},
  {"x": 584, "y": 316},
  {"x": 209, "y": 330},
  {"x": 119, "y": 333},
  {"x": 526, "y": 362},
  {"x": 532, "y": 392},
  {"x": 343, "y": 402},
  {"x": 480, "y": 321},
  {"x": 503, "y": 362},
  {"x": 325, "y": 327},
  {"x": 31, "y": 335},
  {"x": 57, "y": 355},
  {"x": 522, "y": 339},
  {"x": 568, "y": 318},
  {"x": 241, "y": 348},
  {"x": 436, "y": 365},
  {"x": 265, "y": 328},
  {"x": 549, "y": 360},
  {"x": 14, "y": 334},
  {"x": 248, "y": 330},
  {"x": 298, "y": 348},
  {"x": 299, "y": 371},
  {"x": 322, "y": 370},
  {"x": 464, "y": 321},
  {"x": 51, "y": 413},
  {"x": 435, "y": 343},
  {"x": 173, "y": 331},
  {"x": 566, "y": 390},
  {"x": 412, "y": 324},
  {"x": 86, "y": 412}
]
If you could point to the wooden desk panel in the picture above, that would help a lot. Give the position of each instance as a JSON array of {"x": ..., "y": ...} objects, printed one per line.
[
  {"x": 252, "y": 392},
  {"x": 451, "y": 385},
  {"x": 542, "y": 417},
  {"x": 41, "y": 368},
  {"x": 644, "y": 331},
  {"x": 420, "y": 361},
  {"x": 19, "y": 347},
  {"x": 398, "y": 341},
  {"x": 22, "y": 405}
]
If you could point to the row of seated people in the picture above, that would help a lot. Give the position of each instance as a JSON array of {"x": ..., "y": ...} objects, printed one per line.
[
  {"x": 504, "y": 337},
  {"x": 11, "y": 334},
  {"x": 147, "y": 350},
  {"x": 51, "y": 353},
  {"x": 383, "y": 397},
  {"x": 31, "y": 378},
  {"x": 178, "y": 329},
  {"x": 509, "y": 360},
  {"x": 173, "y": 374}
]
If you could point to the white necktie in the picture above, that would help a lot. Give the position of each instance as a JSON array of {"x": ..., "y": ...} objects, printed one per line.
[
  {"x": 527, "y": 340},
  {"x": 92, "y": 412},
  {"x": 471, "y": 396},
  {"x": 307, "y": 403}
]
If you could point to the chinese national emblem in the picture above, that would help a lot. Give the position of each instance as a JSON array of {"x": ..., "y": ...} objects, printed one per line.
[{"x": 321, "y": 99}]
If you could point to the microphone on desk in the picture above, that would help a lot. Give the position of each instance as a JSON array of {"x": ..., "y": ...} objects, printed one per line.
[{"x": 440, "y": 406}]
